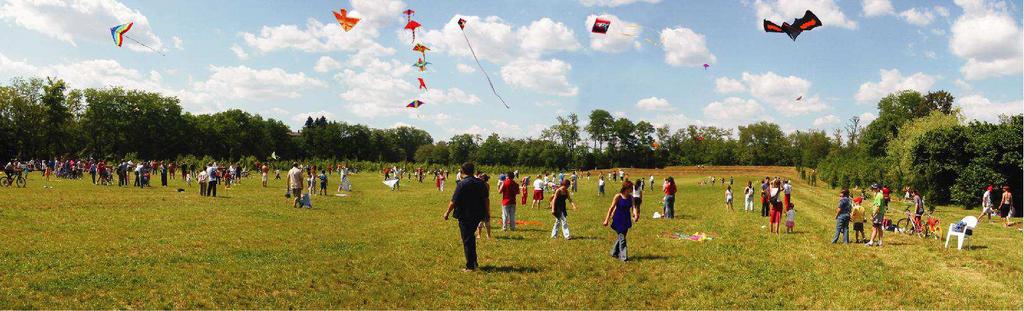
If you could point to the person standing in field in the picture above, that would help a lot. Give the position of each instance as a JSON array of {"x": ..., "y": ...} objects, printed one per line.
[
  {"x": 485, "y": 223},
  {"x": 651, "y": 182},
  {"x": 323, "y": 182},
  {"x": 468, "y": 205},
  {"x": 728, "y": 197},
  {"x": 264, "y": 174},
  {"x": 775, "y": 202},
  {"x": 538, "y": 191},
  {"x": 163, "y": 174},
  {"x": 525, "y": 188},
  {"x": 670, "y": 198},
  {"x": 558, "y": 209},
  {"x": 508, "y": 190},
  {"x": 787, "y": 189},
  {"x": 748, "y": 197},
  {"x": 857, "y": 217},
  {"x": 295, "y": 180},
  {"x": 986, "y": 204},
  {"x": 638, "y": 193},
  {"x": 622, "y": 214},
  {"x": 764, "y": 197},
  {"x": 211, "y": 183},
  {"x": 1006, "y": 205},
  {"x": 843, "y": 217},
  {"x": 600, "y": 185},
  {"x": 877, "y": 216},
  {"x": 204, "y": 181}
]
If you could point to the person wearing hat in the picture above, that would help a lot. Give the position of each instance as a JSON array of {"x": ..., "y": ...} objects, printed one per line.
[
  {"x": 986, "y": 204},
  {"x": 877, "y": 216},
  {"x": 857, "y": 217}
]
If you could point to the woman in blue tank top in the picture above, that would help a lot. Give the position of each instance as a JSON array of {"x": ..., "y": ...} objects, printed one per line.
[{"x": 622, "y": 214}]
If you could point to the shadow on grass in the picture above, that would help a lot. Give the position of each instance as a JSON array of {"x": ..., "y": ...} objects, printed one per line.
[
  {"x": 508, "y": 269},
  {"x": 585, "y": 238},
  {"x": 974, "y": 247},
  {"x": 648, "y": 257},
  {"x": 512, "y": 237}
]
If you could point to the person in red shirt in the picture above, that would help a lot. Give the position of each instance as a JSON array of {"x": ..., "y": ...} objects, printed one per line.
[
  {"x": 509, "y": 189},
  {"x": 670, "y": 198}
]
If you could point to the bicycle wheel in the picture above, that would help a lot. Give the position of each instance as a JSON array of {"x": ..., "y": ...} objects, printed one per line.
[
  {"x": 21, "y": 182},
  {"x": 6, "y": 182},
  {"x": 905, "y": 226}
]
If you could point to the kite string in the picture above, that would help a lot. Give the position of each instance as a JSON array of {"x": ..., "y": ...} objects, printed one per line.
[
  {"x": 142, "y": 44},
  {"x": 484, "y": 71}
]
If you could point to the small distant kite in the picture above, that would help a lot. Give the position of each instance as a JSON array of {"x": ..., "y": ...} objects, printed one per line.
[
  {"x": 346, "y": 22},
  {"x": 808, "y": 22},
  {"x": 799, "y": 98},
  {"x": 415, "y": 104},
  {"x": 601, "y": 25},
  {"x": 422, "y": 49},
  {"x": 273, "y": 155},
  {"x": 421, "y": 64},
  {"x": 462, "y": 25},
  {"x": 118, "y": 33},
  {"x": 706, "y": 66},
  {"x": 700, "y": 138},
  {"x": 655, "y": 145},
  {"x": 423, "y": 85},
  {"x": 408, "y": 14}
]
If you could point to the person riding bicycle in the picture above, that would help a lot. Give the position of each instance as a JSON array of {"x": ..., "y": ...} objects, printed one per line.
[{"x": 12, "y": 169}]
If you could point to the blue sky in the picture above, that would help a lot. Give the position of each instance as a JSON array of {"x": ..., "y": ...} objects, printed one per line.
[{"x": 289, "y": 59}]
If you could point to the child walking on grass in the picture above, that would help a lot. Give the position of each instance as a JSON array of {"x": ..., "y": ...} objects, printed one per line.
[
  {"x": 790, "y": 220},
  {"x": 728, "y": 197},
  {"x": 323, "y": 182},
  {"x": 622, "y": 214}
]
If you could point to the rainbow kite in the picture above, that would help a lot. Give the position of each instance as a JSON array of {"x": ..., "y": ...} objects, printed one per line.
[
  {"x": 414, "y": 104},
  {"x": 118, "y": 32}
]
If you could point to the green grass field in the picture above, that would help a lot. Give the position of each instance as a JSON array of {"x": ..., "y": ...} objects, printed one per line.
[{"x": 81, "y": 246}]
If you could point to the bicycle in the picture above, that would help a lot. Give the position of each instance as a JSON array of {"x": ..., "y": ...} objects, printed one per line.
[
  {"x": 909, "y": 225},
  {"x": 18, "y": 180}
]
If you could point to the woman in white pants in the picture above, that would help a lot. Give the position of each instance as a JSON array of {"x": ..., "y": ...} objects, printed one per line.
[{"x": 748, "y": 197}]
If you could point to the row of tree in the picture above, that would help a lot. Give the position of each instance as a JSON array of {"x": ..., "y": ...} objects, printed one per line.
[
  {"x": 921, "y": 141},
  {"x": 917, "y": 140}
]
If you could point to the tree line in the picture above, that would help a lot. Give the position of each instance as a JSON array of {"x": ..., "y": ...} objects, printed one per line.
[{"x": 918, "y": 140}]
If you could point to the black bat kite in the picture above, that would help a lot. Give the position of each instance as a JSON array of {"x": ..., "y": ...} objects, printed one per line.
[{"x": 808, "y": 22}]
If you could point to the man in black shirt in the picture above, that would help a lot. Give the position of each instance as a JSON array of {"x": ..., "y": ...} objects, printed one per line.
[{"x": 469, "y": 204}]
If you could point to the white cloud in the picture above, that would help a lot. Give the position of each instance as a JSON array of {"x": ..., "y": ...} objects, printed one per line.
[
  {"x": 449, "y": 96},
  {"x": 613, "y": 3},
  {"x": 874, "y": 8},
  {"x": 654, "y": 104},
  {"x": 239, "y": 52},
  {"x": 989, "y": 38},
  {"x": 96, "y": 73},
  {"x": 827, "y": 120},
  {"x": 918, "y": 17},
  {"x": 325, "y": 64},
  {"x": 892, "y": 81},
  {"x": 622, "y": 35},
  {"x": 275, "y": 111},
  {"x": 673, "y": 120},
  {"x": 733, "y": 111},
  {"x": 866, "y": 118},
  {"x": 493, "y": 39},
  {"x": 374, "y": 14},
  {"x": 545, "y": 35},
  {"x": 787, "y": 10},
  {"x": 547, "y": 77},
  {"x": 684, "y": 47},
  {"x": 301, "y": 117},
  {"x": 463, "y": 68},
  {"x": 177, "y": 43},
  {"x": 729, "y": 85},
  {"x": 246, "y": 83},
  {"x": 316, "y": 37},
  {"x": 977, "y": 107},
  {"x": 71, "y": 21},
  {"x": 781, "y": 93}
]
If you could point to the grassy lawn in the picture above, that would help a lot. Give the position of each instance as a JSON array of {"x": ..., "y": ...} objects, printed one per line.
[{"x": 81, "y": 246}]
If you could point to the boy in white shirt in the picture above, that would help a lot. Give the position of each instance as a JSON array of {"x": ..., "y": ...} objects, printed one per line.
[{"x": 538, "y": 190}]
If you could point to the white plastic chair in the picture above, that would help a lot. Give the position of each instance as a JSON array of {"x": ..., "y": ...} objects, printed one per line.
[{"x": 970, "y": 222}]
